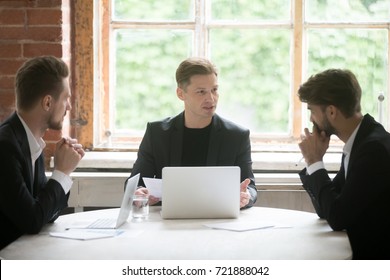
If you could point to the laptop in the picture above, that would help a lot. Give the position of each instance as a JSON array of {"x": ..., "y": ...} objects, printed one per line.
[
  {"x": 124, "y": 212},
  {"x": 207, "y": 192}
]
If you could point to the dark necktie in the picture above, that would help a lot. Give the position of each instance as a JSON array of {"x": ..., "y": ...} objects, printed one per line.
[
  {"x": 342, "y": 169},
  {"x": 38, "y": 166}
]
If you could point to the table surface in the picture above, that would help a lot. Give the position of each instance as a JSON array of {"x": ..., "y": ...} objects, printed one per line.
[{"x": 303, "y": 236}]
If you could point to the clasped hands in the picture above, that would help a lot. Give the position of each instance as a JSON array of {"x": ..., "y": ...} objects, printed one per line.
[{"x": 67, "y": 155}]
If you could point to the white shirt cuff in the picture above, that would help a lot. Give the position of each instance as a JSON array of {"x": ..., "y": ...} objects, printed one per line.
[
  {"x": 314, "y": 167},
  {"x": 64, "y": 180}
]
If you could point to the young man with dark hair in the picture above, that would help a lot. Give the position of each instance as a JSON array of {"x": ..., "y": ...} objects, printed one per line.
[
  {"x": 27, "y": 199},
  {"x": 357, "y": 199}
]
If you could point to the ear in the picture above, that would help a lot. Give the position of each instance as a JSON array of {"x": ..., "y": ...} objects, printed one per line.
[
  {"x": 331, "y": 111},
  {"x": 47, "y": 102},
  {"x": 180, "y": 93}
]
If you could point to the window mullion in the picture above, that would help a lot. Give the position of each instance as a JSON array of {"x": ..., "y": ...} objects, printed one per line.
[
  {"x": 299, "y": 53},
  {"x": 200, "y": 32}
]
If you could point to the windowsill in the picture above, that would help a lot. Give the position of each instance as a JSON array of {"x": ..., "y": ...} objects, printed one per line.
[{"x": 263, "y": 162}]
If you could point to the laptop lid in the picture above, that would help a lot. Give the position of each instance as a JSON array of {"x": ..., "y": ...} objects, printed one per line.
[
  {"x": 200, "y": 192},
  {"x": 124, "y": 212}
]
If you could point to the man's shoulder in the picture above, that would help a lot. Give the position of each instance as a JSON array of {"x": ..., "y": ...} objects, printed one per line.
[
  {"x": 228, "y": 124},
  {"x": 373, "y": 131},
  {"x": 6, "y": 130},
  {"x": 12, "y": 132},
  {"x": 166, "y": 123},
  {"x": 372, "y": 138}
]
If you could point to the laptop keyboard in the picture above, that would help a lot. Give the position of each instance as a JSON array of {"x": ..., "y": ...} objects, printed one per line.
[{"x": 103, "y": 223}]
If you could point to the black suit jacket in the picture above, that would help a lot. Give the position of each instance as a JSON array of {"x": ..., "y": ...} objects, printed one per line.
[
  {"x": 25, "y": 204},
  {"x": 359, "y": 204},
  {"x": 162, "y": 146}
]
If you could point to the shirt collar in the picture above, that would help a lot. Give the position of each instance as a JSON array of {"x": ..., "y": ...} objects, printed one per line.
[
  {"x": 348, "y": 145},
  {"x": 36, "y": 145}
]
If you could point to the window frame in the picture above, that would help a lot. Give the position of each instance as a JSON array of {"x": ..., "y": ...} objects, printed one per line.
[{"x": 96, "y": 68}]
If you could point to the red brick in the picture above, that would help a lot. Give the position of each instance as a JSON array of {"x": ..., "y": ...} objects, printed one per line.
[
  {"x": 44, "y": 17},
  {"x": 31, "y": 3},
  {"x": 7, "y": 103},
  {"x": 7, "y": 97},
  {"x": 12, "y": 33},
  {"x": 9, "y": 66},
  {"x": 31, "y": 50},
  {"x": 14, "y": 3},
  {"x": 5, "y": 113},
  {"x": 12, "y": 17},
  {"x": 48, "y": 3},
  {"x": 10, "y": 50},
  {"x": 7, "y": 82},
  {"x": 49, "y": 34}
]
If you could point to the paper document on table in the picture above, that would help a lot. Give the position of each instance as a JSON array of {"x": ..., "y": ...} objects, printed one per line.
[
  {"x": 154, "y": 186},
  {"x": 241, "y": 225},
  {"x": 85, "y": 234}
]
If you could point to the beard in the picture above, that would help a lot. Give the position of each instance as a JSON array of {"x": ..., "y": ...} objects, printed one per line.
[
  {"x": 54, "y": 124},
  {"x": 326, "y": 127}
]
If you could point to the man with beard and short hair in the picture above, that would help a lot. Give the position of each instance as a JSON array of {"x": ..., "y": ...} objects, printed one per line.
[
  {"x": 27, "y": 199},
  {"x": 357, "y": 199}
]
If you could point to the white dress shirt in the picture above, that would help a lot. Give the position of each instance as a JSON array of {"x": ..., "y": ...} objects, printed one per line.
[
  {"x": 36, "y": 148},
  {"x": 346, "y": 151}
]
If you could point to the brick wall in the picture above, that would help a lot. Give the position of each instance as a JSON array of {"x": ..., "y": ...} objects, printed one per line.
[{"x": 31, "y": 28}]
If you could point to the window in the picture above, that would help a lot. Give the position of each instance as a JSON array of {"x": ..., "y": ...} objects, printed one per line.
[{"x": 263, "y": 50}]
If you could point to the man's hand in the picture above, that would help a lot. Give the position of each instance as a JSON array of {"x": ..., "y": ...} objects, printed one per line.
[
  {"x": 152, "y": 199},
  {"x": 244, "y": 193},
  {"x": 67, "y": 155},
  {"x": 313, "y": 145}
]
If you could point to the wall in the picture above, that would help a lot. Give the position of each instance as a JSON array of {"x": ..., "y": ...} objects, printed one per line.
[{"x": 31, "y": 28}]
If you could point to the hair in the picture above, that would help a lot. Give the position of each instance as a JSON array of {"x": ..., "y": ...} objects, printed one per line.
[
  {"x": 38, "y": 77},
  {"x": 336, "y": 87},
  {"x": 193, "y": 66}
]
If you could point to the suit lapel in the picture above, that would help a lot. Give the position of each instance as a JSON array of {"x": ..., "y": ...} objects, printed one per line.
[
  {"x": 21, "y": 137},
  {"x": 215, "y": 142},
  {"x": 364, "y": 129},
  {"x": 39, "y": 170},
  {"x": 176, "y": 148}
]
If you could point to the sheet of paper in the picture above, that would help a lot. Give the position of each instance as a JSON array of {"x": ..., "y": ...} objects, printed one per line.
[
  {"x": 85, "y": 234},
  {"x": 241, "y": 225},
  {"x": 154, "y": 186}
]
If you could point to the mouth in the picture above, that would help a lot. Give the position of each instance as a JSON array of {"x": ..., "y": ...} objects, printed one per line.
[{"x": 209, "y": 107}]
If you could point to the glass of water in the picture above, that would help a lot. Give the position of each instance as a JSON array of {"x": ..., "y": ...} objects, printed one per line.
[{"x": 140, "y": 207}]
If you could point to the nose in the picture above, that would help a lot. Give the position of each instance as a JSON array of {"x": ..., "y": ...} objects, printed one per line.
[{"x": 211, "y": 95}]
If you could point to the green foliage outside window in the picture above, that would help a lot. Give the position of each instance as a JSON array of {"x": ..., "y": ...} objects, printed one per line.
[{"x": 254, "y": 64}]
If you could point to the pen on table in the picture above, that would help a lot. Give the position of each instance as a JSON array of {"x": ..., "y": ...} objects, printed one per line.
[{"x": 299, "y": 161}]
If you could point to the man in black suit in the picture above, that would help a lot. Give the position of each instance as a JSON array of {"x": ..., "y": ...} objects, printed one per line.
[
  {"x": 357, "y": 200},
  {"x": 197, "y": 136},
  {"x": 27, "y": 199}
]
